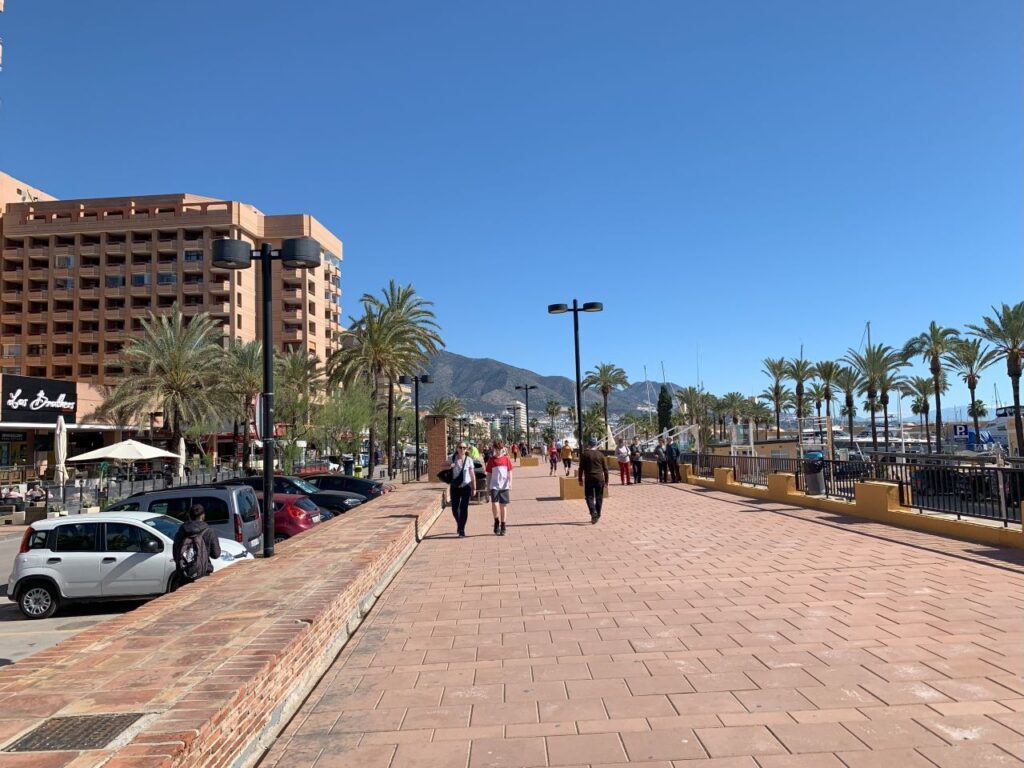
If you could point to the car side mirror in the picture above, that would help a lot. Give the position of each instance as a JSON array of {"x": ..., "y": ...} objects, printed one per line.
[{"x": 152, "y": 546}]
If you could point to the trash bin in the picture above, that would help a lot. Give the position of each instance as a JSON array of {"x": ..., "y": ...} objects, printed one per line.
[
  {"x": 814, "y": 477},
  {"x": 348, "y": 465},
  {"x": 358, "y": 471}
]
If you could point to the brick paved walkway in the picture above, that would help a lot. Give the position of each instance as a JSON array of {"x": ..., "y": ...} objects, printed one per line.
[{"x": 686, "y": 629}]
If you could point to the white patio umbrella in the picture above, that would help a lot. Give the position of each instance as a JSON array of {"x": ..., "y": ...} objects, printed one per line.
[
  {"x": 126, "y": 450},
  {"x": 60, "y": 450},
  {"x": 181, "y": 458}
]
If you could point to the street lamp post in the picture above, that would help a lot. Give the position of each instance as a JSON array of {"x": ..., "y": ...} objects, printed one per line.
[
  {"x": 405, "y": 381},
  {"x": 526, "y": 391},
  {"x": 558, "y": 309},
  {"x": 295, "y": 253}
]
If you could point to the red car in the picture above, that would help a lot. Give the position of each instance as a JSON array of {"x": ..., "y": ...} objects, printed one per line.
[{"x": 293, "y": 514}]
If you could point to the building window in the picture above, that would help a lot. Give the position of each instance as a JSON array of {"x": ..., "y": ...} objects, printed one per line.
[
  {"x": 64, "y": 261},
  {"x": 11, "y": 350},
  {"x": 14, "y": 370},
  {"x": 115, "y": 281},
  {"x": 238, "y": 321},
  {"x": 166, "y": 278},
  {"x": 64, "y": 283},
  {"x": 193, "y": 255},
  {"x": 140, "y": 278}
]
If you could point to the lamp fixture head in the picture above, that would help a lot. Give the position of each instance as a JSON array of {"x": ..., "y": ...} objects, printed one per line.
[
  {"x": 593, "y": 306},
  {"x": 300, "y": 253},
  {"x": 557, "y": 309},
  {"x": 232, "y": 254}
]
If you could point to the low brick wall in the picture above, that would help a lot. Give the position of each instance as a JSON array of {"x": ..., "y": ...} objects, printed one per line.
[{"x": 219, "y": 666}]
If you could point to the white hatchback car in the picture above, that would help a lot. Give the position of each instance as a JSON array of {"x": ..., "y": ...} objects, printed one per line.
[{"x": 105, "y": 556}]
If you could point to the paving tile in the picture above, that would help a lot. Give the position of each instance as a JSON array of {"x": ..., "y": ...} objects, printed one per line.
[
  {"x": 885, "y": 758},
  {"x": 668, "y": 744},
  {"x": 882, "y": 735},
  {"x": 969, "y": 728},
  {"x": 816, "y": 737},
  {"x": 588, "y": 749},
  {"x": 970, "y": 756},
  {"x": 737, "y": 741},
  {"x": 507, "y": 753},
  {"x": 431, "y": 755}
]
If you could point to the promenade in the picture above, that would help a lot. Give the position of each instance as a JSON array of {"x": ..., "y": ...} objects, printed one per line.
[{"x": 687, "y": 628}]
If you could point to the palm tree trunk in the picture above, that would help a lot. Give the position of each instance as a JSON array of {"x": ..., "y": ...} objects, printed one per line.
[
  {"x": 372, "y": 450},
  {"x": 1017, "y": 421},
  {"x": 927, "y": 433},
  {"x": 778, "y": 420},
  {"x": 849, "y": 417},
  {"x": 974, "y": 410},
  {"x": 391, "y": 425},
  {"x": 604, "y": 397},
  {"x": 874, "y": 425},
  {"x": 885, "y": 422},
  {"x": 936, "y": 375}
]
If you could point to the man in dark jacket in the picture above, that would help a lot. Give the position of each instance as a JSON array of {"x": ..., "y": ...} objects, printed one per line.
[
  {"x": 672, "y": 455},
  {"x": 593, "y": 476},
  {"x": 196, "y": 546}
]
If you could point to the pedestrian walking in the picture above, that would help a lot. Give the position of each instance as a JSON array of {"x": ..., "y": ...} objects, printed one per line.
[
  {"x": 661, "y": 456},
  {"x": 463, "y": 485},
  {"x": 636, "y": 460},
  {"x": 622, "y": 456},
  {"x": 553, "y": 457},
  {"x": 195, "y": 547},
  {"x": 566, "y": 454},
  {"x": 672, "y": 455},
  {"x": 499, "y": 471},
  {"x": 593, "y": 476},
  {"x": 514, "y": 447}
]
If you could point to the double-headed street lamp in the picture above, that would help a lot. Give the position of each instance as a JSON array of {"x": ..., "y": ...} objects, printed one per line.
[
  {"x": 526, "y": 391},
  {"x": 415, "y": 381},
  {"x": 294, "y": 253},
  {"x": 558, "y": 309}
]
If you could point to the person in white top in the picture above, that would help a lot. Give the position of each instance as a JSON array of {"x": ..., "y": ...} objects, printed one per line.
[
  {"x": 622, "y": 456},
  {"x": 463, "y": 485}
]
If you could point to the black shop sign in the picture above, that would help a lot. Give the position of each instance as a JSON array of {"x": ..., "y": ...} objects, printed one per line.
[{"x": 32, "y": 400}]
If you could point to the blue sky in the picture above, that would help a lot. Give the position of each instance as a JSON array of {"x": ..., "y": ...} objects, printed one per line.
[{"x": 743, "y": 177}]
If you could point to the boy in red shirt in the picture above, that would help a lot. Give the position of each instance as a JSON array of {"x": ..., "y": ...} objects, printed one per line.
[{"x": 499, "y": 471}]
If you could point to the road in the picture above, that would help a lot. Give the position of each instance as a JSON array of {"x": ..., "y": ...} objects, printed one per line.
[{"x": 20, "y": 637}]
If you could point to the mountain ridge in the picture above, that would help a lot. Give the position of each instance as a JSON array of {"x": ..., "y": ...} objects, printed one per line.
[{"x": 486, "y": 385}]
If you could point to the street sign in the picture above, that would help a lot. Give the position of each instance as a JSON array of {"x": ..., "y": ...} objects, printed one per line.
[
  {"x": 259, "y": 417},
  {"x": 960, "y": 430}
]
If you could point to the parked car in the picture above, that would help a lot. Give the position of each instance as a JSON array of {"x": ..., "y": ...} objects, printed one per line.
[
  {"x": 293, "y": 514},
  {"x": 330, "y": 481},
  {"x": 935, "y": 480},
  {"x": 334, "y": 501},
  {"x": 105, "y": 556},
  {"x": 231, "y": 510}
]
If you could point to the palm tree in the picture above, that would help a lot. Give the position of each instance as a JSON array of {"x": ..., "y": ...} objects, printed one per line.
[
  {"x": 775, "y": 369},
  {"x": 816, "y": 395},
  {"x": 606, "y": 377},
  {"x": 890, "y": 380},
  {"x": 413, "y": 323},
  {"x": 244, "y": 378},
  {"x": 970, "y": 358},
  {"x": 553, "y": 409},
  {"x": 977, "y": 410},
  {"x": 826, "y": 372},
  {"x": 932, "y": 346},
  {"x": 872, "y": 365},
  {"x": 176, "y": 366},
  {"x": 449, "y": 407},
  {"x": 799, "y": 371},
  {"x": 762, "y": 416},
  {"x": 848, "y": 381},
  {"x": 1005, "y": 331},
  {"x": 920, "y": 388}
]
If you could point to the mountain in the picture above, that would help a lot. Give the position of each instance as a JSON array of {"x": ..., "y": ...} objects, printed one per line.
[{"x": 488, "y": 386}]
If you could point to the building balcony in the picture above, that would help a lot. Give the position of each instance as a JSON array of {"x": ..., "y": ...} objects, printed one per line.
[
  {"x": 218, "y": 286},
  {"x": 291, "y": 333},
  {"x": 140, "y": 290},
  {"x": 192, "y": 267},
  {"x": 39, "y": 252},
  {"x": 193, "y": 289},
  {"x": 144, "y": 247},
  {"x": 165, "y": 289},
  {"x": 64, "y": 250},
  {"x": 219, "y": 308},
  {"x": 193, "y": 245},
  {"x": 88, "y": 314},
  {"x": 14, "y": 253},
  {"x": 114, "y": 248},
  {"x": 289, "y": 314},
  {"x": 88, "y": 293},
  {"x": 89, "y": 270},
  {"x": 88, "y": 250},
  {"x": 90, "y": 336},
  {"x": 166, "y": 246},
  {"x": 38, "y": 295}
]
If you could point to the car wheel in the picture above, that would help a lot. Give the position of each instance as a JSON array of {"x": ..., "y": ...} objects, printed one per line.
[
  {"x": 279, "y": 537},
  {"x": 174, "y": 583},
  {"x": 38, "y": 600}
]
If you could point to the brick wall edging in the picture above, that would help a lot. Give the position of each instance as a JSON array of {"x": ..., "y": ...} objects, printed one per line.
[{"x": 280, "y": 715}]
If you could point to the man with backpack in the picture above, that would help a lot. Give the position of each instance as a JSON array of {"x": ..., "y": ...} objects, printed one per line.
[{"x": 196, "y": 545}]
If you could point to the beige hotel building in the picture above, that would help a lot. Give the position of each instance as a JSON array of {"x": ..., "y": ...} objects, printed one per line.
[{"x": 78, "y": 276}]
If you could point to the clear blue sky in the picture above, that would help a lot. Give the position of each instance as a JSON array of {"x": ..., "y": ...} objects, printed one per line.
[{"x": 746, "y": 176}]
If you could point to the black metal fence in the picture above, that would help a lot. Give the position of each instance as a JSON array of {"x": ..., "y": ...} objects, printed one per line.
[{"x": 964, "y": 489}]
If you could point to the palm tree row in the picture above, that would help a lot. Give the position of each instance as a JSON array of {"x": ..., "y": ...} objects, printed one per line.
[{"x": 876, "y": 370}]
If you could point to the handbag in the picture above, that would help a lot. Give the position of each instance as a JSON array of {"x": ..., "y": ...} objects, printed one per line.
[{"x": 445, "y": 476}]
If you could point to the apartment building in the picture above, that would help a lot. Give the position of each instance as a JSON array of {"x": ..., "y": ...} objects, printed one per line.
[{"x": 77, "y": 277}]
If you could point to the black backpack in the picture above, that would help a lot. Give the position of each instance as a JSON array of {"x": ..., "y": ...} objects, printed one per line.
[{"x": 194, "y": 557}]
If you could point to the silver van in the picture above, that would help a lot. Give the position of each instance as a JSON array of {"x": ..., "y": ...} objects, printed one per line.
[{"x": 231, "y": 510}]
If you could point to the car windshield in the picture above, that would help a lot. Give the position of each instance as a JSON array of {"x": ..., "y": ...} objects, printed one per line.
[
  {"x": 168, "y": 526},
  {"x": 304, "y": 485}
]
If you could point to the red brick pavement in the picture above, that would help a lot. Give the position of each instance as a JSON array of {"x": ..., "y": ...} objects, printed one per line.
[{"x": 686, "y": 626}]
